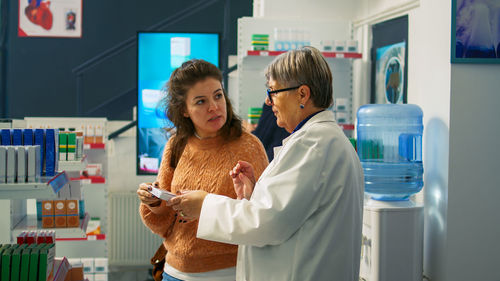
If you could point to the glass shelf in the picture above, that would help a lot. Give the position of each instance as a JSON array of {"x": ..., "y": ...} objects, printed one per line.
[{"x": 30, "y": 223}]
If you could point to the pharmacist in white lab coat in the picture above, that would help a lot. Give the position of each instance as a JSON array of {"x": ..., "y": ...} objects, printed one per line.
[{"x": 302, "y": 219}]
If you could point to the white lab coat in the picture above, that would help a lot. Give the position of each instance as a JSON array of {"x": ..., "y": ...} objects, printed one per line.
[{"x": 303, "y": 221}]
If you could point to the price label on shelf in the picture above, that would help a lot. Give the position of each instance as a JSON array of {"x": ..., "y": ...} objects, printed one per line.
[
  {"x": 339, "y": 55},
  {"x": 92, "y": 237},
  {"x": 264, "y": 53}
]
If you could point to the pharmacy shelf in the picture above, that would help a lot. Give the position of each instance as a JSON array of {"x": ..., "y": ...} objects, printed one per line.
[
  {"x": 94, "y": 146},
  {"x": 337, "y": 55},
  {"x": 73, "y": 166},
  {"x": 97, "y": 237},
  {"x": 45, "y": 189},
  {"x": 90, "y": 180},
  {"x": 30, "y": 223}
]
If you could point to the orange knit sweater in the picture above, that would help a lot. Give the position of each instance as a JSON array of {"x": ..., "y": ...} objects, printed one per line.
[{"x": 204, "y": 165}]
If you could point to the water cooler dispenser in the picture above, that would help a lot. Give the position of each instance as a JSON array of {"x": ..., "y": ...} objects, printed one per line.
[{"x": 390, "y": 150}]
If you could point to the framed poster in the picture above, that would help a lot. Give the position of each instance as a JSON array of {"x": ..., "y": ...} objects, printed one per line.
[
  {"x": 50, "y": 18},
  {"x": 389, "y": 56},
  {"x": 475, "y": 31},
  {"x": 389, "y": 73}
]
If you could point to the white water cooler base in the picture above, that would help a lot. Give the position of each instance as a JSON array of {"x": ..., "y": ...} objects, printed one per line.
[{"x": 392, "y": 247}]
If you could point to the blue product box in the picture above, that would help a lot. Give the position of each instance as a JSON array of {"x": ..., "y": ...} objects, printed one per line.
[
  {"x": 50, "y": 152},
  {"x": 40, "y": 140},
  {"x": 28, "y": 137},
  {"x": 5, "y": 136},
  {"x": 39, "y": 209},
  {"x": 81, "y": 208},
  {"x": 17, "y": 137}
]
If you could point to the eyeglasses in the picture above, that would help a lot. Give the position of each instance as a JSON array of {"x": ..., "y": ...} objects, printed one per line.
[{"x": 271, "y": 93}]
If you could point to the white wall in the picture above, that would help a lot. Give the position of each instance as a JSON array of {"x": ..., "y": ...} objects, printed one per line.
[
  {"x": 310, "y": 9},
  {"x": 474, "y": 181},
  {"x": 429, "y": 87}
]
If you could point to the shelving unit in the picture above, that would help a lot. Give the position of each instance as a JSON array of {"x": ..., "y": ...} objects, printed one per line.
[
  {"x": 75, "y": 243},
  {"x": 95, "y": 195},
  {"x": 251, "y": 64},
  {"x": 338, "y": 55}
]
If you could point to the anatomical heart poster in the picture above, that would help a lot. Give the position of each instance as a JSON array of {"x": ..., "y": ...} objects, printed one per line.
[{"x": 50, "y": 18}]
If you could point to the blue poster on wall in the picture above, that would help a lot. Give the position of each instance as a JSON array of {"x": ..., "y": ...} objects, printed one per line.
[
  {"x": 475, "y": 31},
  {"x": 389, "y": 73}
]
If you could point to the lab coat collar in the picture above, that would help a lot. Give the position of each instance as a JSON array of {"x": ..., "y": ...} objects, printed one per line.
[{"x": 324, "y": 116}]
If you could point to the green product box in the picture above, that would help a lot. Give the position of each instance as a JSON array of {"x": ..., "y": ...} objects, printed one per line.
[
  {"x": 254, "y": 114},
  {"x": 260, "y": 43},
  {"x": 46, "y": 262},
  {"x": 63, "y": 146},
  {"x": 15, "y": 263},
  {"x": 34, "y": 257},
  {"x": 71, "y": 146},
  {"x": 25, "y": 262},
  {"x": 259, "y": 37},
  {"x": 259, "y": 48},
  {"x": 6, "y": 254}
]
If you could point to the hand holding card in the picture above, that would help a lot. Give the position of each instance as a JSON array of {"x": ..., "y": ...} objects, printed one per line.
[{"x": 162, "y": 194}]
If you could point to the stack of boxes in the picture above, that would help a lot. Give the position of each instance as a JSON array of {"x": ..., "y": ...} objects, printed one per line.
[
  {"x": 60, "y": 213},
  {"x": 92, "y": 133},
  {"x": 27, "y": 154},
  {"x": 32, "y": 258},
  {"x": 70, "y": 145},
  {"x": 260, "y": 42},
  {"x": 94, "y": 269}
]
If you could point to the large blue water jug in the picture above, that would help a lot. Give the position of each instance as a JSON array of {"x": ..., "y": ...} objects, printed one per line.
[{"x": 390, "y": 150}]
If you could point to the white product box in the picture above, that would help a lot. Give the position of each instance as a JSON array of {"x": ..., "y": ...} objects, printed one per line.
[
  {"x": 352, "y": 46},
  {"x": 341, "y": 103},
  {"x": 88, "y": 265},
  {"x": 101, "y": 277},
  {"x": 94, "y": 169},
  {"x": 3, "y": 164},
  {"x": 75, "y": 261},
  {"x": 101, "y": 265},
  {"x": 339, "y": 45},
  {"x": 64, "y": 192},
  {"x": 341, "y": 117},
  {"x": 11, "y": 164},
  {"x": 33, "y": 172},
  {"x": 22, "y": 164},
  {"x": 75, "y": 189}
]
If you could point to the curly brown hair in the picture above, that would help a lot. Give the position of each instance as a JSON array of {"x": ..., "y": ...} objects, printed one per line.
[{"x": 181, "y": 80}]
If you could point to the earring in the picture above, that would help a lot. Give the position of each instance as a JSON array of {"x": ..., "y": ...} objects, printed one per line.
[{"x": 302, "y": 106}]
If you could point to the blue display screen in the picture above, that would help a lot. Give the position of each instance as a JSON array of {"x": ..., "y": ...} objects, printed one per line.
[{"x": 158, "y": 55}]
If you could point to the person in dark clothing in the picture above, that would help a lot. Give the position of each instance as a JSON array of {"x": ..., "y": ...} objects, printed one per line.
[{"x": 268, "y": 132}]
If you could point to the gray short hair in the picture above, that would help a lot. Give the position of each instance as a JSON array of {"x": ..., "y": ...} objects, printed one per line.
[{"x": 304, "y": 66}]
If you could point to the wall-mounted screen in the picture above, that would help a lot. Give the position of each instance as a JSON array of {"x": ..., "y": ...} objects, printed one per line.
[{"x": 158, "y": 55}]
